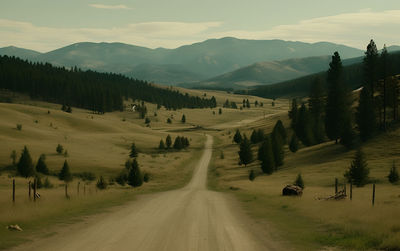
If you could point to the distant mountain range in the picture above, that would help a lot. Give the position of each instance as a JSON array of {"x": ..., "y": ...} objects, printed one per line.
[
  {"x": 225, "y": 62},
  {"x": 188, "y": 63}
]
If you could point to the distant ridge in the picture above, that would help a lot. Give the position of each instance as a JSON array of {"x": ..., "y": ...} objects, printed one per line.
[{"x": 189, "y": 63}]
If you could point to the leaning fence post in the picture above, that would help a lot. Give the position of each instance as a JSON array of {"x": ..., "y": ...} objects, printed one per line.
[
  {"x": 336, "y": 185},
  {"x": 13, "y": 191},
  {"x": 373, "y": 194},
  {"x": 351, "y": 190}
]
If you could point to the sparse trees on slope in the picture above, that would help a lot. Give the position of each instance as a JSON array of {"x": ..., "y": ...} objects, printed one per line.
[
  {"x": 245, "y": 153},
  {"x": 25, "y": 165}
]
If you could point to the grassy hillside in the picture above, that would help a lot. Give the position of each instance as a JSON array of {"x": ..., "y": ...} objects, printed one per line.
[{"x": 309, "y": 223}]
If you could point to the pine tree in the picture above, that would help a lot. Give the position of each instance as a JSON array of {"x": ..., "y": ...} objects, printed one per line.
[
  {"x": 41, "y": 166},
  {"x": 299, "y": 181},
  {"x": 277, "y": 149},
  {"x": 279, "y": 128},
  {"x": 133, "y": 153},
  {"x": 294, "y": 144},
  {"x": 293, "y": 115},
  {"x": 178, "y": 143},
  {"x": 59, "y": 149},
  {"x": 183, "y": 120},
  {"x": 365, "y": 115},
  {"x": 25, "y": 165},
  {"x": 304, "y": 126},
  {"x": 135, "y": 178},
  {"x": 253, "y": 137},
  {"x": 65, "y": 173},
  {"x": 128, "y": 164},
  {"x": 338, "y": 105},
  {"x": 245, "y": 153},
  {"x": 370, "y": 64},
  {"x": 168, "y": 141},
  {"x": 393, "y": 174},
  {"x": 161, "y": 146},
  {"x": 316, "y": 105},
  {"x": 247, "y": 103},
  {"x": 384, "y": 75},
  {"x": 266, "y": 156},
  {"x": 252, "y": 175},
  {"x": 358, "y": 171},
  {"x": 237, "y": 138}
]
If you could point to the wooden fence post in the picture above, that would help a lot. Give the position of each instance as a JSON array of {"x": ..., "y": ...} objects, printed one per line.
[
  {"x": 66, "y": 190},
  {"x": 336, "y": 185},
  {"x": 34, "y": 189},
  {"x": 351, "y": 190},
  {"x": 29, "y": 188},
  {"x": 373, "y": 194},
  {"x": 78, "y": 186},
  {"x": 13, "y": 191}
]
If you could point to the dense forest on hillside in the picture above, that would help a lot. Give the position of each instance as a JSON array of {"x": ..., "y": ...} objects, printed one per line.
[
  {"x": 99, "y": 92},
  {"x": 352, "y": 76}
]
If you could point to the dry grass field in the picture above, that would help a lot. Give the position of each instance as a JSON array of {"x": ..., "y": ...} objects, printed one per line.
[
  {"x": 98, "y": 144},
  {"x": 309, "y": 223}
]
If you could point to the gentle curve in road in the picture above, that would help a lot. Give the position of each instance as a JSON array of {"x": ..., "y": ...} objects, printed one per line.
[{"x": 191, "y": 218}]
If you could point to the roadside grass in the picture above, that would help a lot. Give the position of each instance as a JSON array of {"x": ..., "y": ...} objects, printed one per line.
[{"x": 309, "y": 223}]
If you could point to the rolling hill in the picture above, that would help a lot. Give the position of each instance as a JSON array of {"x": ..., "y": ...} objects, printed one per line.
[{"x": 193, "y": 62}]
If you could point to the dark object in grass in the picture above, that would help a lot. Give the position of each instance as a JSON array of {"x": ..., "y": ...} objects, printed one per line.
[{"x": 292, "y": 190}]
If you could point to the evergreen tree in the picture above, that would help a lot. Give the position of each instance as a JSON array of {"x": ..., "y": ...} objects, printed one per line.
[
  {"x": 365, "y": 115},
  {"x": 254, "y": 137},
  {"x": 299, "y": 181},
  {"x": 178, "y": 143},
  {"x": 277, "y": 149},
  {"x": 25, "y": 165},
  {"x": 65, "y": 173},
  {"x": 304, "y": 126},
  {"x": 135, "y": 178},
  {"x": 293, "y": 115},
  {"x": 279, "y": 128},
  {"x": 393, "y": 174},
  {"x": 316, "y": 105},
  {"x": 237, "y": 138},
  {"x": 220, "y": 111},
  {"x": 384, "y": 75},
  {"x": 161, "y": 146},
  {"x": 183, "y": 120},
  {"x": 247, "y": 103},
  {"x": 338, "y": 106},
  {"x": 370, "y": 64},
  {"x": 59, "y": 149},
  {"x": 41, "y": 166},
  {"x": 358, "y": 171},
  {"x": 168, "y": 141},
  {"x": 128, "y": 164},
  {"x": 294, "y": 144},
  {"x": 265, "y": 154},
  {"x": 252, "y": 175},
  {"x": 133, "y": 153},
  {"x": 245, "y": 153}
]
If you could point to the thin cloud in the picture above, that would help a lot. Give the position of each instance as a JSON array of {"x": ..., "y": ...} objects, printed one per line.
[{"x": 110, "y": 7}]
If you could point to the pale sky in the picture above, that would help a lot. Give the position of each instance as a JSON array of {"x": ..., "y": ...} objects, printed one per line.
[{"x": 45, "y": 25}]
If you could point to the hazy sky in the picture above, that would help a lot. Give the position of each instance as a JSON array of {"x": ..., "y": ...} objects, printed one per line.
[{"x": 45, "y": 25}]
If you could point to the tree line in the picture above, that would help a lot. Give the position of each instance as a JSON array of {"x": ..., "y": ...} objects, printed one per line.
[
  {"x": 99, "y": 92},
  {"x": 329, "y": 113}
]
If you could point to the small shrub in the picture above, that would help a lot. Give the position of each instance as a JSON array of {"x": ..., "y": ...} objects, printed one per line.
[
  {"x": 59, "y": 149},
  {"x": 299, "y": 181},
  {"x": 358, "y": 171},
  {"x": 101, "y": 183},
  {"x": 147, "y": 120},
  {"x": 252, "y": 175},
  {"x": 19, "y": 127},
  {"x": 393, "y": 174}
]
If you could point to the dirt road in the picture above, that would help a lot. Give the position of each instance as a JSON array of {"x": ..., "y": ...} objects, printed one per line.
[{"x": 191, "y": 218}]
